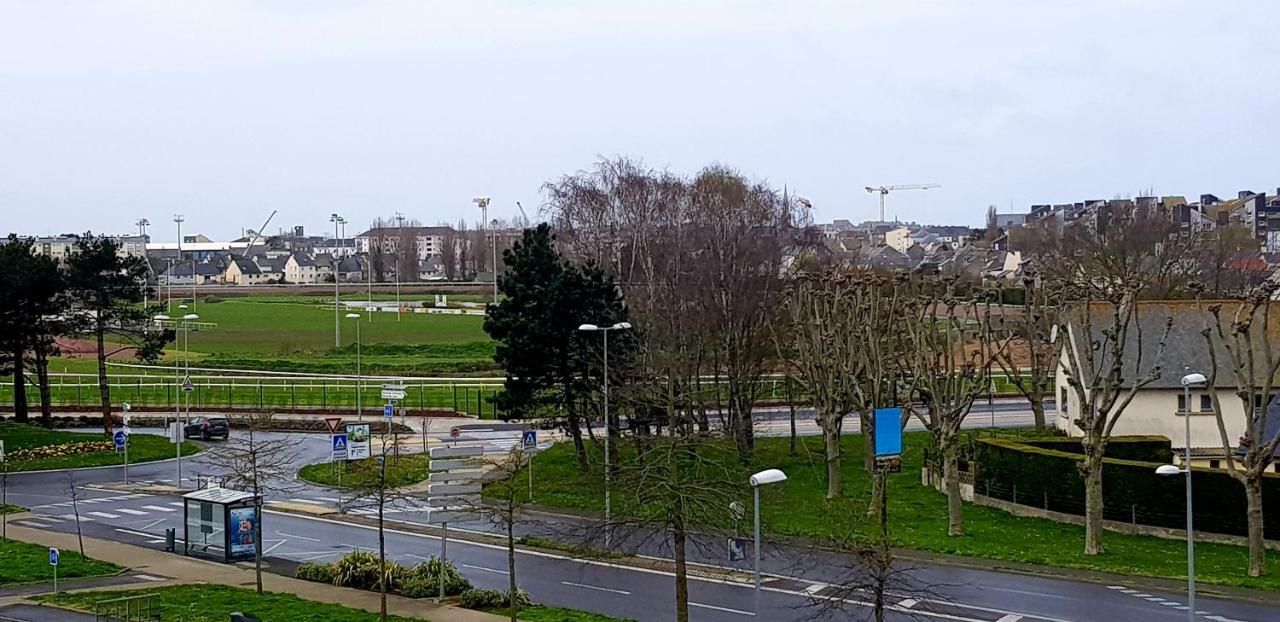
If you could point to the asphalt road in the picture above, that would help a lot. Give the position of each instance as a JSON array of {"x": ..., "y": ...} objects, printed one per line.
[{"x": 800, "y": 584}]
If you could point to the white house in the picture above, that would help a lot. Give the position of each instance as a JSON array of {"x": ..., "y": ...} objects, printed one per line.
[
  {"x": 242, "y": 272},
  {"x": 301, "y": 268},
  {"x": 1158, "y": 408}
]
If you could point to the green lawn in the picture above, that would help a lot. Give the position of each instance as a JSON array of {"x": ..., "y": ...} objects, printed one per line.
[
  {"x": 25, "y": 562},
  {"x": 215, "y": 603},
  {"x": 9, "y": 508},
  {"x": 142, "y": 448},
  {"x": 918, "y": 515},
  {"x": 403, "y": 471}
]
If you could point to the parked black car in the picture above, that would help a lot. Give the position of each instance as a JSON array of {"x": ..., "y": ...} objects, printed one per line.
[{"x": 207, "y": 428}]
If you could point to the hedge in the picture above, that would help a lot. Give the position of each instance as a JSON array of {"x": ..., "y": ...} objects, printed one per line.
[
  {"x": 1141, "y": 448},
  {"x": 1018, "y": 471}
]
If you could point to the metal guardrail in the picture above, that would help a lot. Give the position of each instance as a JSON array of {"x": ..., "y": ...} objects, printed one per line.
[{"x": 140, "y": 608}]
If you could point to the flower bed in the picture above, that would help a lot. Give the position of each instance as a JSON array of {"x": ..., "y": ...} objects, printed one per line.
[{"x": 61, "y": 450}]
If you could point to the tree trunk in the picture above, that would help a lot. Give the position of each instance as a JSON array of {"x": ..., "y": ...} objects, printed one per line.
[
  {"x": 19, "y": 385},
  {"x": 1093, "y": 501},
  {"x": 575, "y": 431},
  {"x": 682, "y": 567},
  {"x": 831, "y": 446},
  {"x": 791, "y": 405},
  {"x": 1257, "y": 546},
  {"x": 869, "y": 463},
  {"x": 951, "y": 477},
  {"x": 382, "y": 550},
  {"x": 104, "y": 389},
  {"x": 46, "y": 399},
  {"x": 1037, "y": 412}
]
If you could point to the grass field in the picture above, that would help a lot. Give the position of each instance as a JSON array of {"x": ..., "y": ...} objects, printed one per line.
[
  {"x": 142, "y": 448},
  {"x": 11, "y": 509},
  {"x": 546, "y": 613},
  {"x": 918, "y": 515},
  {"x": 403, "y": 471},
  {"x": 215, "y": 603},
  {"x": 25, "y": 562}
]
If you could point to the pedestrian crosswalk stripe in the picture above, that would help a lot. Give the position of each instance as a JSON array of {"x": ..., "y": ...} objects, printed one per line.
[
  {"x": 73, "y": 517},
  {"x": 105, "y": 514},
  {"x": 157, "y": 508},
  {"x": 31, "y": 523},
  {"x": 131, "y": 511}
]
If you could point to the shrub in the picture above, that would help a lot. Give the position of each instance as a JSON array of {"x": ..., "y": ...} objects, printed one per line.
[
  {"x": 322, "y": 573},
  {"x": 426, "y": 576},
  {"x": 482, "y": 599},
  {"x": 359, "y": 569}
]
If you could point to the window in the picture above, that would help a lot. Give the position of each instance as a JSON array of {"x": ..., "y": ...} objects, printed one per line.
[
  {"x": 1206, "y": 403},
  {"x": 1182, "y": 403},
  {"x": 1215, "y": 463},
  {"x": 1062, "y": 401}
]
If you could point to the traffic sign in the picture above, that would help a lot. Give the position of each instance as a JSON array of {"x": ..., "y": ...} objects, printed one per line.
[
  {"x": 333, "y": 423},
  {"x": 2, "y": 450},
  {"x": 737, "y": 549},
  {"x": 340, "y": 446},
  {"x": 455, "y": 432},
  {"x": 530, "y": 439},
  {"x": 119, "y": 438},
  {"x": 187, "y": 387},
  {"x": 53, "y": 556},
  {"x": 389, "y": 410},
  {"x": 393, "y": 394}
]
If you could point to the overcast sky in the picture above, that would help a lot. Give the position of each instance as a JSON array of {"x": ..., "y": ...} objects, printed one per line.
[{"x": 224, "y": 110}]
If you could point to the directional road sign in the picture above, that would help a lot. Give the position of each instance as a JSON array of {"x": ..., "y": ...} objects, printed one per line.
[
  {"x": 119, "y": 438},
  {"x": 393, "y": 394},
  {"x": 53, "y": 557}
]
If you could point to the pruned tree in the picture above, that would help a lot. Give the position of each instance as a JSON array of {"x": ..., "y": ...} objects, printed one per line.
[
  {"x": 256, "y": 463},
  {"x": 841, "y": 324},
  {"x": 107, "y": 290},
  {"x": 1241, "y": 339},
  {"x": 1031, "y": 360},
  {"x": 949, "y": 355}
]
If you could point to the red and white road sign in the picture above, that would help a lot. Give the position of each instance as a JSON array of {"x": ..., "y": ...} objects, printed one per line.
[
  {"x": 333, "y": 423},
  {"x": 454, "y": 432}
]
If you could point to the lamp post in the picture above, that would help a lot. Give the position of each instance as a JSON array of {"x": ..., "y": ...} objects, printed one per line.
[
  {"x": 337, "y": 327},
  {"x": 359, "y": 384},
  {"x": 608, "y": 429},
  {"x": 399, "y": 259},
  {"x": 1188, "y": 381},
  {"x": 483, "y": 204},
  {"x": 767, "y": 476}
]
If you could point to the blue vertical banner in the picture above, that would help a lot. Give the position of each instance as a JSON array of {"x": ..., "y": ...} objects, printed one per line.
[{"x": 888, "y": 427}]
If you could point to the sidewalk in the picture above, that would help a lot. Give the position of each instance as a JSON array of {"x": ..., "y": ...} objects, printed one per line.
[{"x": 178, "y": 569}]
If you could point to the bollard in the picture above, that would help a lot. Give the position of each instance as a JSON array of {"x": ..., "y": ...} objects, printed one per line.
[{"x": 169, "y": 537}]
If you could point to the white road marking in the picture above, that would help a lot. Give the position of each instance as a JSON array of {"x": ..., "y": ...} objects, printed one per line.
[
  {"x": 105, "y": 514},
  {"x": 157, "y": 508},
  {"x": 1010, "y": 618},
  {"x": 907, "y": 603},
  {"x": 289, "y": 535},
  {"x": 72, "y": 517},
  {"x": 814, "y": 589},
  {"x": 273, "y": 547},
  {"x": 153, "y": 523},
  {"x": 176, "y": 503},
  {"x": 330, "y": 499},
  {"x": 131, "y": 511},
  {"x": 724, "y": 609},
  {"x": 484, "y": 569},
  {"x": 147, "y": 577},
  {"x": 33, "y": 524},
  {"x": 598, "y": 588},
  {"x": 51, "y": 519},
  {"x": 136, "y": 533},
  {"x": 308, "y": 501}
]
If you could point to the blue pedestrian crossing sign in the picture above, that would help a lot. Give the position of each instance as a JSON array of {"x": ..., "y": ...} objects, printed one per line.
[
  {"x": 119, "y": 439},
  {"x": 389, "y": 410},
  {"x": 53, "y": 557},
  {"x": 737, "y": 549},
  {"x": 530, "y": 439},
  {"x": 340, "y": 443}
]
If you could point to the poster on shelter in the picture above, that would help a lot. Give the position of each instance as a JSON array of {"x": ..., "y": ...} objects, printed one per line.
[{"x": 243, "y": 532}]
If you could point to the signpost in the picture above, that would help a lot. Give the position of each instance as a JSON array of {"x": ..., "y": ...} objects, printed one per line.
[
  {"x": 121, "y": 439},
  {"x": 339, "y": 447},
  {"x": 529, "y": 441},
  {"x": 53, "y": 561},
  {"x": 4, "y": 492},
  {"x": 737, "y": 549}
]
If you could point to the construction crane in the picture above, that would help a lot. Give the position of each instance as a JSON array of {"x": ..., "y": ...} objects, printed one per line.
[{"x": 883, "y": 190}]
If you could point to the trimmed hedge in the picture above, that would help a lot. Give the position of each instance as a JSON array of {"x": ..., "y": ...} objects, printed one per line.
[
  {"x": 1018, "y": 471},
  {"x": 1140, "y": 448}
]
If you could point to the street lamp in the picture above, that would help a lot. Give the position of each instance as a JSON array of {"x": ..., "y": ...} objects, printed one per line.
[
  {"x": 608, "y": 429},
  {"x": 337, "y": 328},
  {"x": 483, "y": 204},
  {"x": 359, "y": 385},
  {"x": 767, "y": 476},
  {"x": 1188, "y": 381}
]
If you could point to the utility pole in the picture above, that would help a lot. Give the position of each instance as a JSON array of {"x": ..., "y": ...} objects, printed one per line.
[{"x": 399, "y": 250}]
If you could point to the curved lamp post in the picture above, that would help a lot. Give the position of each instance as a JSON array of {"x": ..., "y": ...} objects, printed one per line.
[
  {"x": 1188, "y": 381},
  {"x": 607, "y": 429},
  {"x": 763, "y": 478}
]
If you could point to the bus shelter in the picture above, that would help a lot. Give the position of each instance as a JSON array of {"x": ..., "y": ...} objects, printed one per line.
[{"x": 221, "y": 523}]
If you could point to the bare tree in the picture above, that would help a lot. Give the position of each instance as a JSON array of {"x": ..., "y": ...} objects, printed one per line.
[
  {"x": 450, "y": 248},
  {"x": 840, "y": 324},
  {"x": 505, "y": 479},
  {"x": 950, "y": 354},
  {"x": 257, "y": 465},
  {"x": 1242, "y": 336},
  {"x": 1230, "y": 263},
  {"x": 74, "y": 493},
  {"x": 1031, "y": 359}
]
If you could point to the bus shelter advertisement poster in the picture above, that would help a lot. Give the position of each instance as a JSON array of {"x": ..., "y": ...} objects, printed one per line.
[{"x": 243, "y": 527}]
